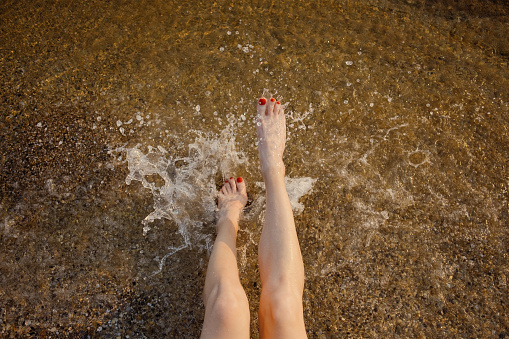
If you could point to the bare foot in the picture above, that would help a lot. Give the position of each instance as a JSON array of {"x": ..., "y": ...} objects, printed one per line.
[
  {"x": 271, "y": 130},
  {"x": 231, "y": 199}
]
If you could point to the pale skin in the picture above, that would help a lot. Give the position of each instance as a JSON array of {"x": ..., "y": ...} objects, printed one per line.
[{"x": 279, "y": 257}]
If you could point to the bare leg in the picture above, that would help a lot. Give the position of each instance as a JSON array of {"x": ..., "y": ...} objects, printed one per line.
[
  {"x": 279, "y": 256},
  {"x": 226, "y": 304}
]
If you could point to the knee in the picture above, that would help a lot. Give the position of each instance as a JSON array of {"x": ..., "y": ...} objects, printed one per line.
[
  {"x": 281, "y": 305},
  {"x": 228, "y": 303}
]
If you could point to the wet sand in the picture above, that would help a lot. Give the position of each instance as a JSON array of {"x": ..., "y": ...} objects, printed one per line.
[{"x": 399, "y": 109}]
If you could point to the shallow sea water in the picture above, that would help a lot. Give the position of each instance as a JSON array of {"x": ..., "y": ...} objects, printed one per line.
[{"x": 120, "y": 119}]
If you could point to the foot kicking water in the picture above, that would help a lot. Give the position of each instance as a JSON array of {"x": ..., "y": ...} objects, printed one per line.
[
  {"x": 281, "y": 268},
  {"x": 231, "y": 200},
  {"x": 271, "y": 131}
]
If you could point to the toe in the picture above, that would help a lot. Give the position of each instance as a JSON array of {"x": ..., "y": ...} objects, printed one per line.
[
  {"x": 228, "y": 188},
  {"x": 232, "y": 186},
  {"x": 241, "y": 186},
  {"x": 270, "y": 106},
  {"x": 277, "y": 108},
  {"x": 262, "y": 106},
  {"x": 224, "y": 189}
]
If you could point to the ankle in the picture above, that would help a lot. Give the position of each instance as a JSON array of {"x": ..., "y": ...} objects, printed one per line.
[
  {"x": 231, "y": 212},
  {"x": 228, "y": 223}
]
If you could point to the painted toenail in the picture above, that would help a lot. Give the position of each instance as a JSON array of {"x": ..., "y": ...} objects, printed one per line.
[
  {"x": 239, "y": 179},
  {"x": 226, "y": 181},
  {"x": 278, "y": 103},
  {"x": 231, "y": 178},
  {"x": 272, "y": 99},
  {"x": 262, "y": 101}
]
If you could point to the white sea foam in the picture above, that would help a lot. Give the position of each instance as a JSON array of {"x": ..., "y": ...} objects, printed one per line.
[
  {"x": 185, "y": 191},
  {"x": 298, "y": 118},
  {"x": 186, "y": 194}
]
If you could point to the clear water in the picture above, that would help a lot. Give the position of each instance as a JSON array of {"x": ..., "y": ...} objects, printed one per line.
[{"x": 120, "y": 120}]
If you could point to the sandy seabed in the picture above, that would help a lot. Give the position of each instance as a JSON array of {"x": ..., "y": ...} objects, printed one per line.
[{"x": 398, "y": 109}]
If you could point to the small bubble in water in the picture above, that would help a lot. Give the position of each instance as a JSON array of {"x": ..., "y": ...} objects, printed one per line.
[
  {"x": 119, "y": 123},
  {"x": 346, "y": 102},
  {"x": 229, "y": 33},
  {"x": 221, "y": 49},
  {"x": 349, "y": 63},
  {"x": 258, "y": 123},
  {"x": 197, "y": 108},
  {"x": 371, "y": 104}
]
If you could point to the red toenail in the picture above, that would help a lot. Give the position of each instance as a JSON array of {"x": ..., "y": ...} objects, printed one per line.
[
  {"x": 278, "y": 103},
  {"x": 231, "y": 178},
  {"x": 226, "y": 181},
  {"x": 272, "y": 99},
  {"x": 262, "y": 101},
  {"x": 239, "y": 179}
]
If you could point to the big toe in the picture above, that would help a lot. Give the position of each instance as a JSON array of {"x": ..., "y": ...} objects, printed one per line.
[
  {"x": 241, "y": 185},
  {"x": 262, "y": 106}
]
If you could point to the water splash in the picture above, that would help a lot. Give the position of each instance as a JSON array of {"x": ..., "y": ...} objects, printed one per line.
[{"x": 184, "y": 188}]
